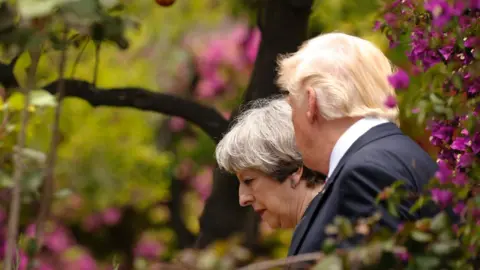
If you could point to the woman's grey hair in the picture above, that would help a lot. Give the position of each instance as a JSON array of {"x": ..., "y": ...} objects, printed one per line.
[{"x": 262, "y": 138}]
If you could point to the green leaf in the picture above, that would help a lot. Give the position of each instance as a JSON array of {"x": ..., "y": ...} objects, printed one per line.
[
  {"x": 420, "y": 236},
  {"x": 84, "y": 12},
  {"x": 63, "y": 193},
  {"x": 108, "y": 4},
  {"x": 397, "y": 184},
  {"x": 29, "y": 9},
  {"x": 5, "y": 180},
  {"x": 16, "y": 102},
  {"x": 446, "y": 247},
  {"x": 435, "y": 99},
  {"x": 344, "y": 226},
  {"x": 331, "y": 262},
  {"x": 35, "y": 155},
  {"x": 42, "y": 98},
  {"x": 427, "y": 262},
  {"x": 392, "y": 208},
  {"x": 39, "y": 98},
  {"x": 457, "y": 81},
  {"x": 439, "y": 108},
  {"x": 449, "y": 113},
  {"x": 419, "y": 203},
  {"x": 439, "y": 222}
]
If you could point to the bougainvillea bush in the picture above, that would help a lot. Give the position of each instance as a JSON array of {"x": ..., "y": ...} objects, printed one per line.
[{"x": 438, "y": 86}]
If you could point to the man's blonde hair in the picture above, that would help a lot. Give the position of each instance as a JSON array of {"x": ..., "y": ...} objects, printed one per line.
[{"x": 348, "y": 74}]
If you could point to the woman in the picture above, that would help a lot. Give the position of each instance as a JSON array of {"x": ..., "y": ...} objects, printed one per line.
[{"x": 260, "y": 150}]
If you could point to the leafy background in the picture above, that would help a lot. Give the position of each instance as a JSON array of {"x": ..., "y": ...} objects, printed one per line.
[{"x": 115, "y": 168}]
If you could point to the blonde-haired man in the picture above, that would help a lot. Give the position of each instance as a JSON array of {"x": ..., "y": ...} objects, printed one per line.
[{"x": 337, "y": 86}]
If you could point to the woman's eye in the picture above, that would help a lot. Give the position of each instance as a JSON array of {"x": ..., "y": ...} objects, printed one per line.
[{"x": 247, "y": 181}]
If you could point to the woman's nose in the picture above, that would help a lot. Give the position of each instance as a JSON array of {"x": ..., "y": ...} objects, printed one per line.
[{"x": 245, "y": 199}]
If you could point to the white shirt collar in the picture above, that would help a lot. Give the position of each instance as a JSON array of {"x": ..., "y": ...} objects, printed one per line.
[{"x": 352, "y": 134}]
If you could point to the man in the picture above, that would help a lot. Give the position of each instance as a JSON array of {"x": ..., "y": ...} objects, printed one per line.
[{"x": 337, "y": 86}]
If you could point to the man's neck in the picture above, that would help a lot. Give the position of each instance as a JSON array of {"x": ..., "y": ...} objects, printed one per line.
[{"x": 331, "y": 132}]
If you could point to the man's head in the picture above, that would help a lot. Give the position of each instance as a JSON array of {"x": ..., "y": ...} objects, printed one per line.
[{"x": 334, "y": 79}]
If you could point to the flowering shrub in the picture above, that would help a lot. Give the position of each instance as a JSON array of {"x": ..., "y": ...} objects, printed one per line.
[
  {"x": 444, "y": 52},
  {"x": 439, "y": 87}
]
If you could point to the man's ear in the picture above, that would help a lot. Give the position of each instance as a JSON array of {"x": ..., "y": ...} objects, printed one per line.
[{"x": 311, "y": 105}]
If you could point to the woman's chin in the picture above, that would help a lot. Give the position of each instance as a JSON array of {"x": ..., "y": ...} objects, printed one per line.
[{"x": 273, "y": 224}]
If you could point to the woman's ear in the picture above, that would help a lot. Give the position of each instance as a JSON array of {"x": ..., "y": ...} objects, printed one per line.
[{"x": 296, "y": 177}]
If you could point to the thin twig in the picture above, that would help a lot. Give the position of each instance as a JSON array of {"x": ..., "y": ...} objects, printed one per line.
[
  {"x": 18, "y": 163},
  {"x": 281, "y": 262},
  {"x": 48, "y": 181},
  {"x": 79, "y": 56},
  {"x": 97, "y": 62}
]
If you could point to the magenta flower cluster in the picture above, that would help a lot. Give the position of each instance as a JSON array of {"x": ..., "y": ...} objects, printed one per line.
[
  {"x": 444, "y": 34},
  {"x": 223, "y": 55}
]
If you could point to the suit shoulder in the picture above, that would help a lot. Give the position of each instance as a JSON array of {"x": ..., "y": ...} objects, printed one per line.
[{"x": 393, "y": 149}]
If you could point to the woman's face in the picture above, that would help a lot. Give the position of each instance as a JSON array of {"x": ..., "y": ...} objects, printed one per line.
[{"x": 272, "y": 200}]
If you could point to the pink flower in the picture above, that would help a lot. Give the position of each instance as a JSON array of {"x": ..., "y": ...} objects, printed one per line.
[
  {"x": 442, "y": 197},
  {"x": 203, "y": 182},
  {"x": 112, "y": 216},
  {"x": 458, "y": 209},
  {"x": 252, "y": 45},
  {"x": 443, "y": 173},
  {"x": 79, "y": 259},
  {"x": 92, "y": 222},
  {"x": 210, "y": 86},
  {"x": 399, "y": 80},
  {"x": 390, "y": 102},
  {"x": 403, "y": 255},
  {"x": 460, "y": 179},
  {"x": 148, "y": 249},
  {"x": 58, "y": 240},
  {"x": 56, "y": 237},
  {"x": 177, "y": 124}
]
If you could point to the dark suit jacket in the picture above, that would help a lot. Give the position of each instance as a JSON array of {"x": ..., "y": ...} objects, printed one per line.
[{"x": 377, "y": 159}]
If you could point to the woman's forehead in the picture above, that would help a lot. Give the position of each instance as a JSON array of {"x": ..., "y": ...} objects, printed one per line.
[{"x": 250, "y": 173}]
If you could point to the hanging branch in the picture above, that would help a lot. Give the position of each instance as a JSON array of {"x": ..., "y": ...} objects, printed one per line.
[
  {"x": 18, "y": 163},
  {"x": 205, "y": 117}
]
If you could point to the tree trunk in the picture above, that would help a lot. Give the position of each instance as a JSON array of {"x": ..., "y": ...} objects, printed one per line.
[{"x": 284, "y": 25}]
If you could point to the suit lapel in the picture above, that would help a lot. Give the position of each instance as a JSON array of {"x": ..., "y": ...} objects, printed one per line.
[{"x": 373, "y": 134}]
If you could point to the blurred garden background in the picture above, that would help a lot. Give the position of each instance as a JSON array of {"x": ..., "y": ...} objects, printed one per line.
[{"x": 134, "y": 172}]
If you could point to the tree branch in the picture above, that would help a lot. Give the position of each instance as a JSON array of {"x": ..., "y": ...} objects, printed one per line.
[{"x": 207, "y": 118}]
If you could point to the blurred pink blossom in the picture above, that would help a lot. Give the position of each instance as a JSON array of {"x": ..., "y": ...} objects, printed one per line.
[
  {"x": 226, "y": 114},
  {"x": 79, "y": 261},
  {"x": 252, "y": 45},
  {"x": 232, "y": 48},
  {"x": 177, "y": 124},
  {"x": 184, "y": 169},
  {"x": 202, "y": 183},
  {"x": 148, "y": 249},
  {"x": 92, "y": 222},
  {"x": 210, "y": 86},
  {"x": 3, "y": 215},
  {"x": 112, "y": 216},
  {"x": 56, "y": 238}
]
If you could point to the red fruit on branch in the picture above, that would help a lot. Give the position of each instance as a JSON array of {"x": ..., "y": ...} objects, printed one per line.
[{"x": 165, "y": 3}]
